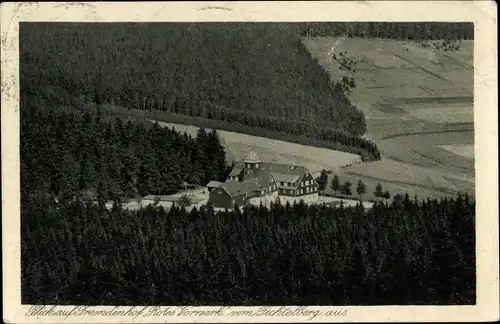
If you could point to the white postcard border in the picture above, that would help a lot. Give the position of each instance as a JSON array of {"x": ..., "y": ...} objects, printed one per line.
[{"x": 482, "y": 13}]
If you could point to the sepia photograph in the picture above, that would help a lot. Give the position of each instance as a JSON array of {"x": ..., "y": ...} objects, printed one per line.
[{"x": 258, "y": 164}]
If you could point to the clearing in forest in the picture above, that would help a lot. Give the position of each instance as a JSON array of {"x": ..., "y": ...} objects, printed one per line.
[
  {"x": 418, "y": 105},
  {"x": 238, "y": 145}
]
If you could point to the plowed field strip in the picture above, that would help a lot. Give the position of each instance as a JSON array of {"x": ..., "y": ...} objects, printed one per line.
[
  {"x": 459, "y": 63},
  {"x": 424, "y": 69}
]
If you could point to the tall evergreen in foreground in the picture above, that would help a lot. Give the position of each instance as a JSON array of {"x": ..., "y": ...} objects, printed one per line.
[{"x": 409, "y": 252}]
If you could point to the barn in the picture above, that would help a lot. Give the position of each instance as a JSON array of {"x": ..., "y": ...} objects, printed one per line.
[{"x": 227, "y": 197}]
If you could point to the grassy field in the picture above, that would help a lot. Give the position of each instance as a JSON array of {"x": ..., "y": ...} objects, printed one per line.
[
  {"x": 393, "y": 187},
  {"x": 239, "y": 145},
  {"x": 418, "y": 104},
  {"x": 465, "y": 150}
]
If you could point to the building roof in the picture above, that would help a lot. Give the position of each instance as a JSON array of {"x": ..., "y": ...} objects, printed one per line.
[
  {"x": 285, "y": 169},
  {"x": 214, "y": 184},
  {"x": 285, "y": 173},
  {"x": 280, "y": 173},
  {"x": 233, "y": 188},
  {"x": 255, "y": 180},
  {"x": 263, "y": 177},
  {"x": 288, "y": 178},
  {"x": 252, "y": 157},
  {"x": 248, "y": 187},
  {"x": 238, "y": 167}
]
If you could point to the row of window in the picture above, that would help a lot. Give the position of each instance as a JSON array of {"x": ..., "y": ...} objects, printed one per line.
[
  {"x": 284, "y": 184},
  {"x": 306, "y": 190},
  {"x": 298, "y": 192},
  {"x": 249, "y": 165},
  {"x": 292, "y": 192},
  {"x": 307, "y": 183},
  {"x": 303, "y": 184},
  {"x": 271, "y": 188}
]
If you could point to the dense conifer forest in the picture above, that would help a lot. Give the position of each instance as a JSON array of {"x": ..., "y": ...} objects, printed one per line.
[
  {"x": 256, "y": 75},
  {"x": 409, "y": 252},
  {"x": 76, "y": 155},
  {"x": 393, "y": 30},
  {"x": 69, "y": 152}
]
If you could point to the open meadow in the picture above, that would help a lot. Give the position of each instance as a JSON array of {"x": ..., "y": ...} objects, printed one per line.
[
  {"x": 418, "y": 104},
  {"x": 238, "y": 145}
]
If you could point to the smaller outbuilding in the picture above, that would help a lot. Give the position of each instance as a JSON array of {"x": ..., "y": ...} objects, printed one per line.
[{"x": 213, "y": 185}]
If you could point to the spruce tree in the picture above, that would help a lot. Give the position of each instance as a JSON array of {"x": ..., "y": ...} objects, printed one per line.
[
  {"x": 360, "y": 189},
  {"x": 346, "y": 189},
  {"x": 335, "y": 184},
  {"x": 378, "y": 191}
]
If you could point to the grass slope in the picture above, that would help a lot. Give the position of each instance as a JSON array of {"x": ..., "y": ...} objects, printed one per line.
[
  {"x": 418, "y": 102},
  {"x": 238, "y": 146}
]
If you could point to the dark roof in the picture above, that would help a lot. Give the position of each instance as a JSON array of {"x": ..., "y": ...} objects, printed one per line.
[
  {"x": 283, "y": 172},
  {"x": 238, "y": 167},
  {"x": 235, "y": 188},
  {"x": 285, "y": 169},
  {"x": 263, "y": 177}
]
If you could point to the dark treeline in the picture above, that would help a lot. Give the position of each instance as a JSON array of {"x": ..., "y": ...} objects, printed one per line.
[
  {"x": 392, "y": 30},
  {"x": 322, "y": 138},
  {"x": 258, "y": 75},
  {"x": 69, "y": 153},
  {"x": 408, "y": 252}
]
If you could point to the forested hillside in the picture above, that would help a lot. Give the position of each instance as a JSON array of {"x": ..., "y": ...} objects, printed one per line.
[
  {"x": 409, "y": 252},
  {"x": 69, "y": 153},
  {"x": 392, "y": 30},
  {"x": 257, "y": 75},
  {"x": 76, "y": 154}
]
